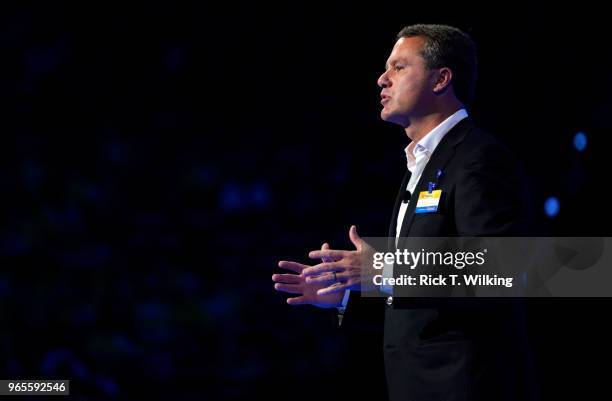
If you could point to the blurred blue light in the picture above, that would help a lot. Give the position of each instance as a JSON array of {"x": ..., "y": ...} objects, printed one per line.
[
  {"x": 231, "y": 197},
  {"x": 260, "y": 195},
  {"x": 108, "y": 385},
  {"x": 580, "y": 141},
  {"x": 153, "y": 311},
  {"x": 551, "y": 207},
  {"x": 54, "y": 360}
]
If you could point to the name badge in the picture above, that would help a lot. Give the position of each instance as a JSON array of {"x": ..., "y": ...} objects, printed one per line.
[{"x": 428, "y": 201}]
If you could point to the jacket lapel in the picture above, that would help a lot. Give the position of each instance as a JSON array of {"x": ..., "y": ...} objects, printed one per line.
[
  {"x": 398, "y": 202},
  {"x": 438, "y": 160}
]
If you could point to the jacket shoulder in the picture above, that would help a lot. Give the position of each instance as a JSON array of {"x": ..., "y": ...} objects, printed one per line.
[{"x": 479, "y": 144}]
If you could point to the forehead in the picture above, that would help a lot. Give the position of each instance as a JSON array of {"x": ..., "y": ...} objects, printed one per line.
[{"x": 406, "y": 48}]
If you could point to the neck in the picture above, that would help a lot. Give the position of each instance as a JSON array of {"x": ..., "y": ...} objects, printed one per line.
[{"x": 422, "y": 125}]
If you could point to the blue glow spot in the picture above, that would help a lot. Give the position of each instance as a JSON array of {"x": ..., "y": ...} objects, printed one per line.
[
  {"x": 188, "y": 283},
  {"x": 231, "y": 197},
  {"x": 580, "y": 141},
  {"x": 260, "y": 195},
  {"x": 108, "y": 385},
  {"x": 551, "y": 207},
  {"x": 153, "y": 312}
]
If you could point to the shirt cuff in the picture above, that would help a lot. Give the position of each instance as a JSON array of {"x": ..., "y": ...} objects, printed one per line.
[
  {"x": 345, "y": 299},
  {"x": 387, "y": 273}
]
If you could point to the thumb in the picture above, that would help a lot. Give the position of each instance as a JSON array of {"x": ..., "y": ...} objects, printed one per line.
[
  {"x": 325, "y": 247},
  {"x": 355, "y": 238}
]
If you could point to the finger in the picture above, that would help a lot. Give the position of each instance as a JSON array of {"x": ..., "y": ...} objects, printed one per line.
[
  {"x": 332, "y": 289},
  {"x": 290, "y": 288},
  {"x": 325, "y": 247},
  {"x": 293, "y": 266},
  {"x": 297, "y": 301},
  {"x": 324, "y": 279},
  {"x": 322, "y": 268},
  {"x": 326, "y": 259},
  {"x": 329, "y": 253},
  {"x": 286, "y": 278},
  {"x": 355, "y": 238}
]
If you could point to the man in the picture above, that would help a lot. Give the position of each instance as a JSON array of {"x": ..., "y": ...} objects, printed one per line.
[{"x": 434, "y": 349}]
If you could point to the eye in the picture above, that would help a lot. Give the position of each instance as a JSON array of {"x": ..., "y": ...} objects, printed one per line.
[{"x": 398, "y": 67}]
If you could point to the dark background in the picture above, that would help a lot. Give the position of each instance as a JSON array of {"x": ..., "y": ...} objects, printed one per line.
[{"x": 158, "y": 160}]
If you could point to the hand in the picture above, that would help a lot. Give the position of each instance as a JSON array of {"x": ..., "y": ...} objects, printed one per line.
[
  {"x": 296, "y": 284},
  {"x": 354, "y": 269}
]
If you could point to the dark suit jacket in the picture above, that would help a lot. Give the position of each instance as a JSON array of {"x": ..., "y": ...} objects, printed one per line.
[{"x": 456, "y": 348}]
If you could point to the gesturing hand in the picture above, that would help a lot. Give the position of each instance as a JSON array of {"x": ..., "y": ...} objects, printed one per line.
[
  {"x": 353, "y": 269},
  {"x": 308, "y": 292}
]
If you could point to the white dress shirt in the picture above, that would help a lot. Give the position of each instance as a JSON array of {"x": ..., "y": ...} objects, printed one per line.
[{"x": 417, "y": 156}]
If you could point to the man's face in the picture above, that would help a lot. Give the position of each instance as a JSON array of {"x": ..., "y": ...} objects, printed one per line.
[{"x": 406, "y": 84}]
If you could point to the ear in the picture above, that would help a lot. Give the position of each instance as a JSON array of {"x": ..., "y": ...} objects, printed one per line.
[{"x": 442, "y": 80}]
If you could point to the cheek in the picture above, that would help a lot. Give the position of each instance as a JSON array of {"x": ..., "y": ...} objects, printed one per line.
[
  {"x": 404, "y": 97},
  {"x": 409, "y": 91}
]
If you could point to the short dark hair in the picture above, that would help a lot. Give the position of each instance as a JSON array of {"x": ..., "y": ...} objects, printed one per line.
[{"x": 447, "y": 46}]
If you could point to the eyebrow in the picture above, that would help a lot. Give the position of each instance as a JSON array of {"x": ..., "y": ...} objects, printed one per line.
[{"x": 393, "y": 62}]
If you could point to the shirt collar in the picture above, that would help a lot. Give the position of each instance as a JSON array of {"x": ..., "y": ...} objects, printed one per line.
[{"x": 430, "y": 141}]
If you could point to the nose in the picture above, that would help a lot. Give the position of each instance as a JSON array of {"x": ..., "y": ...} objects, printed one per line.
[{"x": 383, "y": 80}]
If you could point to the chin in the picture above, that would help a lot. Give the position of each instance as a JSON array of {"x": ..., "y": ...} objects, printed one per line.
[
  {"x": 386, "y": 115},
  {"x": 392, "y": 118}
]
